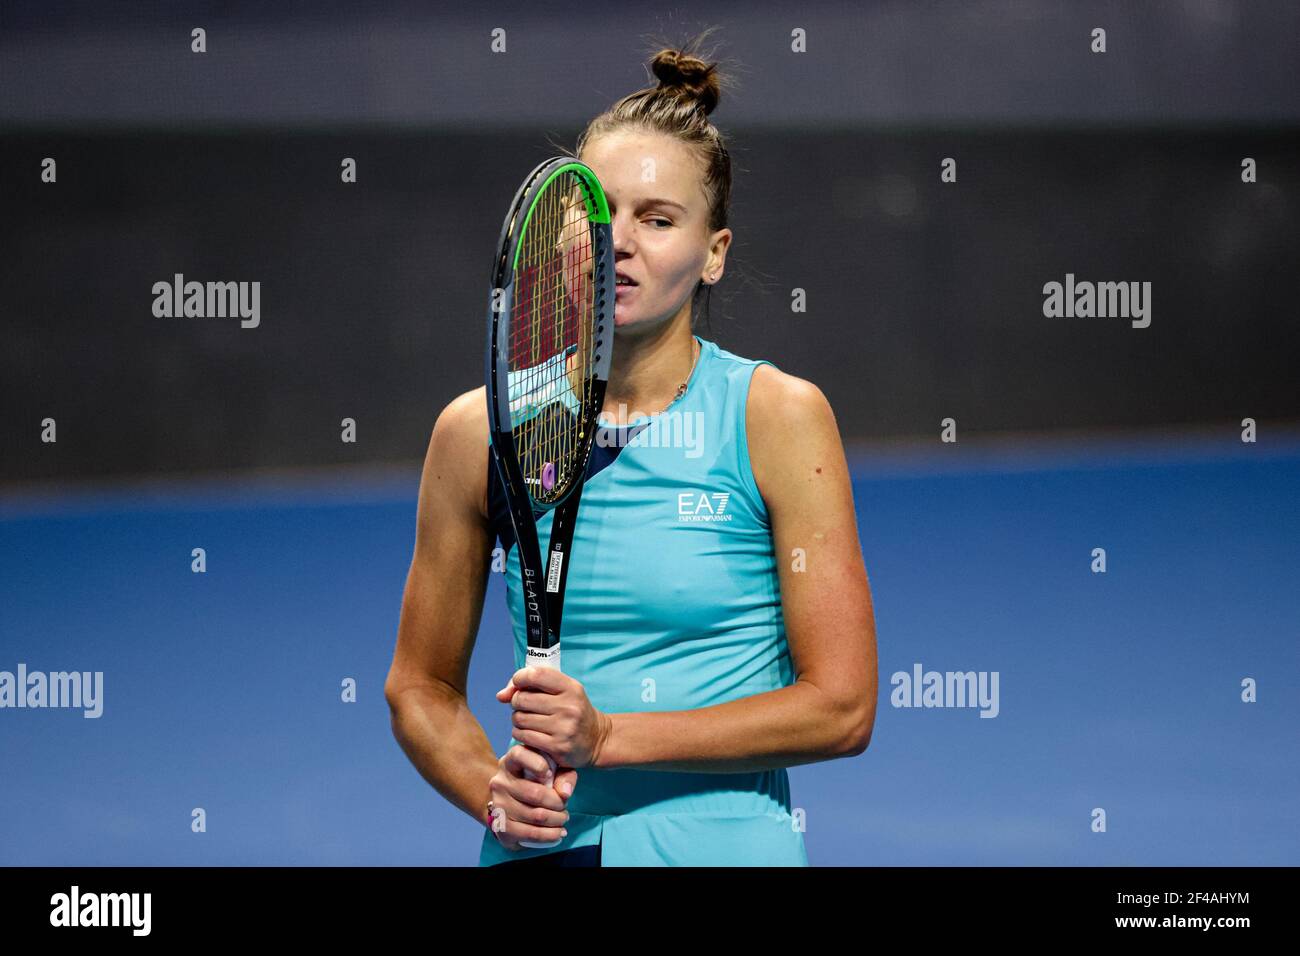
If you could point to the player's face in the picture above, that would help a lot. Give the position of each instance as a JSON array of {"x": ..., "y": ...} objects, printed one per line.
[
  {"x": 659, "y": 216},
  {"x": 573, "y": 244}
]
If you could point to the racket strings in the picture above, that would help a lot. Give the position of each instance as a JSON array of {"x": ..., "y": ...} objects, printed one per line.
[{"x": 552, "y": 338}]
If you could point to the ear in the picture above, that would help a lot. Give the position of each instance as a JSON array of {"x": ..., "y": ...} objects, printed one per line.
[{"x": 714, "y": 266}]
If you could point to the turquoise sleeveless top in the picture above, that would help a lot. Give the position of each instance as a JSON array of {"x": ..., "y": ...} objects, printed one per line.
[{"x": 673, "y": 602}]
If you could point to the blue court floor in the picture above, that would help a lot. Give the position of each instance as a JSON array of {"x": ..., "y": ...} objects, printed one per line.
[{"x": 1120, "y": 691}]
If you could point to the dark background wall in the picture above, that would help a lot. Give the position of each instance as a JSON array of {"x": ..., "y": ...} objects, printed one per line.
[{"x": 924, "y": 298}]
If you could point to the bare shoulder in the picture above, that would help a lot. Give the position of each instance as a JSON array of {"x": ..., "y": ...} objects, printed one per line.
[
  {"x": 459, "y": 445},
  {"x": 467, "y": 414},
  {"x": 790, "y": 429},
  {"x": 782, "y": 406}
]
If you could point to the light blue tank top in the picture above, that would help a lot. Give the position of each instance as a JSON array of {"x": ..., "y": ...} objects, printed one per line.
[{"x": 673, "y": 602}]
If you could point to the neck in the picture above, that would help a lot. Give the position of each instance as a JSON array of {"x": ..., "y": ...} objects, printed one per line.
[{"x": 646, "y": 371}]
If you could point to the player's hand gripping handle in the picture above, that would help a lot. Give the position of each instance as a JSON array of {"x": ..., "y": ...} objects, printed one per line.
[{"x": 537, "y": 657}]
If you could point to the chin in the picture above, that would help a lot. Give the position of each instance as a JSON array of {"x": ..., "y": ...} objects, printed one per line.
[
  {"x": 630, "y": 327},
  {"x": 634, "y": 324}
]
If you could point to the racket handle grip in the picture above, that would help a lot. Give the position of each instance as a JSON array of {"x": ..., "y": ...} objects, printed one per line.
[
  {"x": 539, "y": 657},
  {"x": 529, "y": 774}
]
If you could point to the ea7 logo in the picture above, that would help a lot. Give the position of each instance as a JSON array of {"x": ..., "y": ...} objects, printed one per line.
[{"x": 703, "y": 506}]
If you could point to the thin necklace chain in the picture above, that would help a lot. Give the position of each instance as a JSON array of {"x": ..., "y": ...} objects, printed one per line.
[{"x": 681, "y": 389}]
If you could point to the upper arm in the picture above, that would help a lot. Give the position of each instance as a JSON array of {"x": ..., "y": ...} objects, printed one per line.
[
  {"x": 443, "y": 601},
  {"x": 800, "y": 469}
]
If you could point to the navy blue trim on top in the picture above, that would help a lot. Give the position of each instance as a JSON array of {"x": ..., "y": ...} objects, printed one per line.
[{"x": 603, "y": 452}]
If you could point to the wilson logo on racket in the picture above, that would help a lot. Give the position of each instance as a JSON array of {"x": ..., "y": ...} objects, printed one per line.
[{"x": 703, "y": 506}]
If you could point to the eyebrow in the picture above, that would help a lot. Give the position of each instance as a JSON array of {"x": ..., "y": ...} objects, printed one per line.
[{"x": 654, "y": 202}]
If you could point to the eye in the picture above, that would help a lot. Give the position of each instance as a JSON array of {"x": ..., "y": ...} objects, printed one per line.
[{"x": 666, "y": 222}]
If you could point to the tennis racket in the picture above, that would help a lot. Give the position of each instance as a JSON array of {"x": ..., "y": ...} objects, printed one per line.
[{"x": 550, "y": 334}]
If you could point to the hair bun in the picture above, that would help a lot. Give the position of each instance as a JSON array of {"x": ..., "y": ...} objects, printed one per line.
[{"x": 689, "y": 77}]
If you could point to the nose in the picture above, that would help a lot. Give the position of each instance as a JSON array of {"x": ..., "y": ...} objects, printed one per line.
[{"x": 621, "y": 227}]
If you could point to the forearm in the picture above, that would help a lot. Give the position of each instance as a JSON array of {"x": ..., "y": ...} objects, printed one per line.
[
  {"x": 435, "y": 727},
  {"x": 793, "y": 725}
]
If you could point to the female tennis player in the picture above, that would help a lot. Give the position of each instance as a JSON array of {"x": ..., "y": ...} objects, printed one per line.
[{"x": 718, "y": 625}]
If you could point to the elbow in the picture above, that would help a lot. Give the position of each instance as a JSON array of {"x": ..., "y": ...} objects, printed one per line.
[
  {"x": 406, "y": 695},
  {"x": 399, "y": 686},
  {"x": 856, "y": 736},
  {"x": 399, "y": 708},
  {"x": 394, "y": 694},
  {"x": 850, "y": 717},
  {"x": 394, "y": 714},
  {"x": 859, "y": 745}
]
